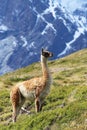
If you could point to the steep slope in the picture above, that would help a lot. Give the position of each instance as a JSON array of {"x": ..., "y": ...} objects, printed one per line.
[
  {"x": 65, "y": 107},
  {"x": 27, "y": 26}
]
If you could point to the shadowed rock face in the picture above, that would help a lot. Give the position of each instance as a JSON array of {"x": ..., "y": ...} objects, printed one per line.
[{"x": 27, "y": 26}]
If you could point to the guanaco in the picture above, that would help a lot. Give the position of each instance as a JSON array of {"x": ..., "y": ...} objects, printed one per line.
[{"x": 35, "y": 89}]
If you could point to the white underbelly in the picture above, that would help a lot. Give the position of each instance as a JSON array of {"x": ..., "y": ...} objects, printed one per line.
[{"x": 26, "y": 93}]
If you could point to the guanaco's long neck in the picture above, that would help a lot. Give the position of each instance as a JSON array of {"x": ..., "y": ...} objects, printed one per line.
[{"x": 45, "y": 70}]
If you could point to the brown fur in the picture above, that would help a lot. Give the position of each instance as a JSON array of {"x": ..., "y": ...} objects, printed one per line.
[{"x": 33, "y": 89}]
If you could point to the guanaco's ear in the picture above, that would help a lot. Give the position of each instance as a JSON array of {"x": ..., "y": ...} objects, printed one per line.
[{"x": 42, "y": 50}]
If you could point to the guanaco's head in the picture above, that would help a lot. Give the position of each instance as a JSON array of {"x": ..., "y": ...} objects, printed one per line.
[{"x": 46, "y": 54}]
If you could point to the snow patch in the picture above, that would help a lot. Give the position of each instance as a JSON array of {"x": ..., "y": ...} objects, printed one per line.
[
  {"x": 82, "y": 24},
  {"x": 14, "y": 43},
  {"x": 31, "y": 45},
  {"x": 31, "y": 54},
  {"x": 24, "y": 40},
  {"x": 52, "y": 6},
  {"x": 51, "y": 9},
  {"x": 65, "y": 23},
  {"x": 3, "y": 28},
  {"x": 30, "y": 1},
  {"x": 72, "y": 5},
  {"x": 48, "y": 23},
  {"x": 68, "y": 44}
]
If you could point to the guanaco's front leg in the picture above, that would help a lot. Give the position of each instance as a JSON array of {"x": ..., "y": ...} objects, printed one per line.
[
  {"x": 37, "y": 104},
  {"x": 37, "y": 100}
]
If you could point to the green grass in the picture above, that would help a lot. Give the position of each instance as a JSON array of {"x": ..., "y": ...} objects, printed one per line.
[{"x": 65, "y": 107}]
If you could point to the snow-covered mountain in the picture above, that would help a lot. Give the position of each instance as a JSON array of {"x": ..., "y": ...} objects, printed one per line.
[{"x": 27, "y": 26}]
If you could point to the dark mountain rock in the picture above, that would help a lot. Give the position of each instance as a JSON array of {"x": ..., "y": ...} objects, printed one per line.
[{"x": 27, "y": 26}]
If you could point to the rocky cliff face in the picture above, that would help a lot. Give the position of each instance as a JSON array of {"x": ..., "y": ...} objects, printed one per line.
[{"x": 27, "y": 26}]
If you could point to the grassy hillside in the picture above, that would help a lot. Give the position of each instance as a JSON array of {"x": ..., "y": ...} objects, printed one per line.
[{"x": 66, "y": 105}]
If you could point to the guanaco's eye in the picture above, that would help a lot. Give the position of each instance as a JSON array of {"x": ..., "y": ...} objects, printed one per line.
[{"x": 46, "y": 54}]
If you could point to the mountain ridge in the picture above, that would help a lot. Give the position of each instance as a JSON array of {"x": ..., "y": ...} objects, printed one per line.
[{"x": 27, "y": 26}]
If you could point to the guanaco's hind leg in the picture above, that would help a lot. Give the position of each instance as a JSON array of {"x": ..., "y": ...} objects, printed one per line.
[
  {"x": 15, "y": 112},
  {"x": 16, "y": 101}
]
